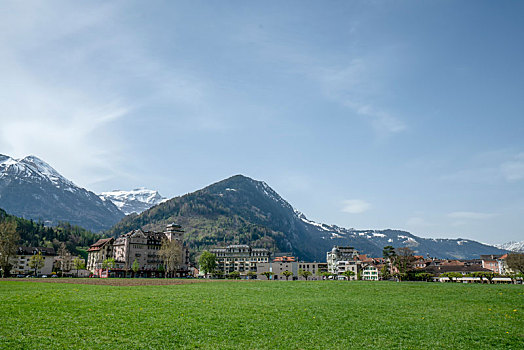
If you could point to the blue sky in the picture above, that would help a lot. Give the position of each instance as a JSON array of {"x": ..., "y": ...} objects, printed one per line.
[{"x": 372, "y": 114}]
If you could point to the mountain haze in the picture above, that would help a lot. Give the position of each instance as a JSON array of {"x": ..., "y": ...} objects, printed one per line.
[
  {"x": 242, "y": 210},
  {"x": 32, "y": 189}
]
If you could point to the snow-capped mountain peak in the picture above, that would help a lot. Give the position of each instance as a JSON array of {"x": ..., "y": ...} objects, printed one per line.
[
  {"x": 134, "y": 201},
  {"x": 46, "y": 170},
  {"x": 512, "y": 246},
  {"x": 33, "y": 189},
  {"x": 33, "y": 168}
]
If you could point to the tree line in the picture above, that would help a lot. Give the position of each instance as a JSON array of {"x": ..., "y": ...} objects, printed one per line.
[
  {"x": 16, "y": 232},
  {"x": 403, "y": 259}
]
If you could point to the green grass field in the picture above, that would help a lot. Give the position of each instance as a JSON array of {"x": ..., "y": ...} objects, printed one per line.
[{"x": 254, "y": 315}]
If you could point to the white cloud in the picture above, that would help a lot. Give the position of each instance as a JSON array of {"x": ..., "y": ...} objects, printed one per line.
[
  {"x": 357, "y": 86},
  {"x": 52, "y": 104},
  {"x": 381, "y": 121},
  {"x": 68, "y": 78},
  {"x": 355, "y": 206},
  {"x": 470, "y": 215}
]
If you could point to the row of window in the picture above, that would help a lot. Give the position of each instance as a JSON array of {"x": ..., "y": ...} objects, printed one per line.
[
  {"x": 143, "y": 246},
  {"x": 245, "y": 259}
]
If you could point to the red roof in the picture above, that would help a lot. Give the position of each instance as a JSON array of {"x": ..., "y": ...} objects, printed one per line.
[
  {"x": 99, "y": 244},
  {"x": 284, "y": 259},
  {"x": 364, "y": 257}
]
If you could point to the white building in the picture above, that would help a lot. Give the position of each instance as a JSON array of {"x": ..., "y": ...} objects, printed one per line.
[
  {"x": 240, "y": 257},
  {"x": 24, "y": 254},
  {"x": 369, "y": 273},
  {"x": 278, "y": 267},
  {"x": 339, "y": 258},
  {"x": 98, "y": 253},
  {"x": 340, "y": 267}
]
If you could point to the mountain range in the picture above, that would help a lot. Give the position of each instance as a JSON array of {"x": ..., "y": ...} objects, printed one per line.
[
  {"x": 134, "y": 201},
  {"x": 32, "y": 189},
  {"x": 235, "y": 210},
  {"x": 245, "y": 211},
  {"x": 512, "y": 246}
]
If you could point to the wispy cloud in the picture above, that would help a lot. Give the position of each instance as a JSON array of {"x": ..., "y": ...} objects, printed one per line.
[
  {"x": 382, "y": 121},
  {"x": 355, "y": 206},
  {"x": 357, "y": 86},
  {"x": 69, "y": 78},
  {"x": 66, "y": 119}
]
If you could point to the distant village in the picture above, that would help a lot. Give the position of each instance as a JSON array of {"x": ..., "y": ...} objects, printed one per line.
[{"x": 143, "y": 254}]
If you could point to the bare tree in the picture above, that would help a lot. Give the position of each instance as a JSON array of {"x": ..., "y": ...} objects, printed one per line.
[
  {"x": 403, "y": 260},
  {"x": 515, "y": 262},
  {"x": 9, "y": 239},
  {"x": 65, "y": 258},
  {"x": 171, "y": 254}
]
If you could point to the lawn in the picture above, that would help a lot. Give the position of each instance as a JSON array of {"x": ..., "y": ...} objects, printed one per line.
[{"x": 262, "y": 314}]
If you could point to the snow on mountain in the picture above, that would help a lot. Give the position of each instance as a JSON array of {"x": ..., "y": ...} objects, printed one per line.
[
  {"x": 372, "y": 241},
  {"x": 31, "y": 188},
  {"x": 134, "y": 201},
  {"x": 512, "y": 246},
  {"x": 246, "y": 211},
  {"x": 34, "y": 169}
]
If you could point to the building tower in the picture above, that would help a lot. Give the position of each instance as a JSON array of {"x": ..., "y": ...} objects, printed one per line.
[{"x": 174, "y": 231}]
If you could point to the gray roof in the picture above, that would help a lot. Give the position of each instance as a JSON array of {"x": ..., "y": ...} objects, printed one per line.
[{"x": 35, "y": 250}]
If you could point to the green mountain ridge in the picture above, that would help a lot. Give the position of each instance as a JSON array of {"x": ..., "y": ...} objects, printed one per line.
[
  {"x": 240, "y": 210},
  {"x": 35, "y": 234}
]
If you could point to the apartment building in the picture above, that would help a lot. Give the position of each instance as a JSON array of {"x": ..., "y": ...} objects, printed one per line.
[
  {"x": 369, "y": 273},
  {"x": 491, "y": 262},
  {"x": 240, "y": 257},
  {"x": 20, "y": 262},
  {"x": 278, "y": 268},
  {"x": 98, "y": 253},
  {"x": 338, "y": 259}
]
